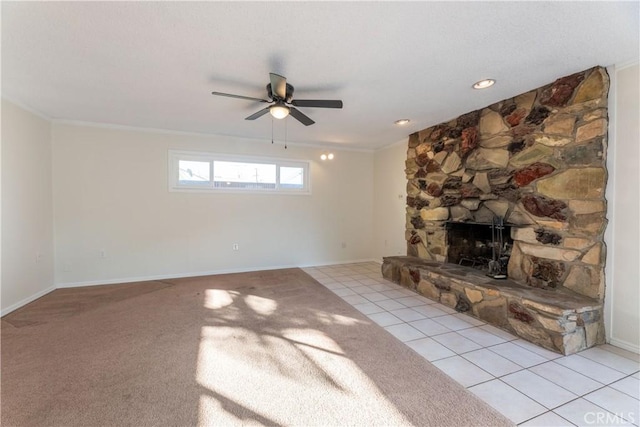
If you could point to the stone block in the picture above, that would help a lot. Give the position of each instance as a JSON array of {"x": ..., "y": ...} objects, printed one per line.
[
  {"x": 561, "y": 91},
  {"x": 584, "y": 280},
  {"x": 481, "y": 180},
  {"x": 594, "y": 114},
  {"x": 451, "y": 164},
  {"x": 593, "y": 255},
  {"x": 591, "y": 130},
  {"x": 594, "y": 334},
  {"x": 580, "y": 207},
  {"x": 423, "y": 252},
  {"x": 514, "y": 268},
  {"x": 460, "y": 213},
  {"x": 547, "y": 237},
  {"x": 533, "y": 333},
  {"x": 541, "y": 206},
  {"x": 483, "y": 215},
  {"x": 594, "y": 87},
  {"x": 439, "y": 157},
  {"x": 573, "y": 342},
  {"x": 528, "y": 174},
  {"x": 560, "y": 124},
  {"x": 548, "y": 252},
  {"x": 438, "y": 178},
  {"x": 449, "y": 299},
  {"x": 467, "y": 176},
  {"x": 525, "y": 100},
  {"x": 576, "y": 242},
  {"x": 492, "y": 311},
  {"x": 406, "y": 277},
  {"x": 486, "y": 158},
  {"x": 429, "y": 290},
  {"x": 557, "y": 324},
  {"x": 519, "y": 217},
  {"x": 436, "y": 214},
  {"x": 537, "y": 115},
  {"x": 531, "y": 155},
  {"x": 473, "y": 295},
  {"x": 491, "y": 123},
  {"x": 498, "y": 207},
  {"x": 591, "y": 154},
  {"x": 575, "y": 183},
  {"x": 524, "y": 234},
  {"x": 471, "y": 204},
  {"x": 591, "y": 223},
  {"x": 515, "y": 118}
]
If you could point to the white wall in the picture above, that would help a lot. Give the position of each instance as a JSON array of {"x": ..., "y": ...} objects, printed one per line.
[
  {"x": 622, "y": 298},
  {"x": 110, "y": 193},
  {"x": 390, "y": 185},
  {"x": 27, "y": 209}
]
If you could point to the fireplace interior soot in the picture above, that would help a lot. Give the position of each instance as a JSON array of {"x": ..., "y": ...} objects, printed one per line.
[{"x": 486, "y": 247}]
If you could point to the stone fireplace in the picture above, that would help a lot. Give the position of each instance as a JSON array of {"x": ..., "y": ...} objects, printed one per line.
[{"x": 536, "y": 162}]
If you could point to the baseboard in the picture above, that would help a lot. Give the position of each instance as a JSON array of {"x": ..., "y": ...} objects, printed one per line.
[
  {"x": 200, "y": 273},
  {"x": 26, "y": 301},
  {"x": 634, "y": 348}
]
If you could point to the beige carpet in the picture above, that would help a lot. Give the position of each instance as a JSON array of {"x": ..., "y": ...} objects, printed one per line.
[{"x": 264, "y": 348}]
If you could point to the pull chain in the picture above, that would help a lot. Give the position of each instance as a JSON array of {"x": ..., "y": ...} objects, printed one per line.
[
  {"x": 272, "y": 130},
  {"x": 286, "y": 120}
]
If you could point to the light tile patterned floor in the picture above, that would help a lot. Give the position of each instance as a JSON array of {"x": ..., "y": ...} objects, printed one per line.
[{"x": 530, "y": 385}]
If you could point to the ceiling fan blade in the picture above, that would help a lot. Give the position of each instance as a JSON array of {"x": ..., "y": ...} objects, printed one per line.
[
  {"x": 258, "y": 114},
  {"x": 278, "y": 85},
  {"x": 318, "y": 103},
  {"x": 299, "y": 116},
  {"x": 239, "y": 96}
]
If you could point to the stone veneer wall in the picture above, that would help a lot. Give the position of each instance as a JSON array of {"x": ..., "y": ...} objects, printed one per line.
[{"x": 537, "y": 160}]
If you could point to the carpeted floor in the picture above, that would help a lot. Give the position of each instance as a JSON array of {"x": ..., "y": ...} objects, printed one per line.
[{"x": 262, "y": 348}]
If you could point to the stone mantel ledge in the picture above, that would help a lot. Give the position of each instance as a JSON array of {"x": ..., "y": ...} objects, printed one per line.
[{"x": 560, "y": 320}]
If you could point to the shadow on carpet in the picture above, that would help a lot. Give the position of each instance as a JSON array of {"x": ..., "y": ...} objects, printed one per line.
[{"x": 269, "y": 348}]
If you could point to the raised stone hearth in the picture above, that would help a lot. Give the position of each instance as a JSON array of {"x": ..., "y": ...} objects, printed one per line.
[
  {"x": 559, "y": 320},
  {"x": 535, "y": 163}
]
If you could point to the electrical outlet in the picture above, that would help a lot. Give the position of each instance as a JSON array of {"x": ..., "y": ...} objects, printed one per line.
[{"x": 235, "y": 247}]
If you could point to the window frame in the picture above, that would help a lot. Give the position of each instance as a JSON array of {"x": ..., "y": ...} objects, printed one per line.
[{"x": 175, "y": 156}]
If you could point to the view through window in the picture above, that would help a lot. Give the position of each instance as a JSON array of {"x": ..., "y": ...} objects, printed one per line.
[{"x": 208, "y": 171}]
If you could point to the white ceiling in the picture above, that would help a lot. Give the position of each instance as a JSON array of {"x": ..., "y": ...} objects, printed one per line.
[{"x": 154, "y": 64}]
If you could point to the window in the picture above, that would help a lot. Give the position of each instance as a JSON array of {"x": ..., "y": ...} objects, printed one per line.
[{"x": 198, "y": 171}]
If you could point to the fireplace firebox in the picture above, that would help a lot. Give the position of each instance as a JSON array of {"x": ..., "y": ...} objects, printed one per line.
[{"x": 484, "y": 246}]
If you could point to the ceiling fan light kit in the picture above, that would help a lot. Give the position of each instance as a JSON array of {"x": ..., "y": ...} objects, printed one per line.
[
  {"x": 280, "y": 94},
  {"x": 279, "y": 111}
]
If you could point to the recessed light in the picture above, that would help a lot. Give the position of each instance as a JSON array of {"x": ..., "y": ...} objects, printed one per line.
[
  {"x": 402, "y": 122},
  {"x": 483, "y": 84}
]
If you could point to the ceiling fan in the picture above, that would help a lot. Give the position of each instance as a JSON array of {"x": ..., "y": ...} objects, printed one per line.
[{"x": 280, "y": 94}]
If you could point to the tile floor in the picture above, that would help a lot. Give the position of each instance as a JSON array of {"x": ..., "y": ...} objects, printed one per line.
[{"x": 528, "y": 384}]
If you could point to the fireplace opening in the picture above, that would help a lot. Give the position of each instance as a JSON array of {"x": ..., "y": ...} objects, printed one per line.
[{"x": 483, "y": 246}]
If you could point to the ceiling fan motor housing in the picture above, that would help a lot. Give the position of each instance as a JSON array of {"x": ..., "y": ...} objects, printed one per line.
[{"x": 275, "y": 97}]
